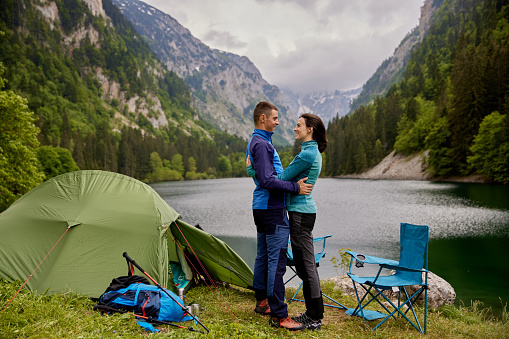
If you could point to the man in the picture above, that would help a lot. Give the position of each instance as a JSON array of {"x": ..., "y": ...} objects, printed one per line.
[{"x": 270, "y": 218}]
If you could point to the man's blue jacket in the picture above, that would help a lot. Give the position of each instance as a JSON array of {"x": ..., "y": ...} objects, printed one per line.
[{"x": 269, "y": 192}]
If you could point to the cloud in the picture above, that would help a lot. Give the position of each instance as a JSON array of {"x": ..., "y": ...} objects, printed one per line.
[
  {"x": 224, "y": 39},
  {"x": 302, "y": 3},
  {"x": 319, "y": 65},
  {"x": 299, "y": 44}
]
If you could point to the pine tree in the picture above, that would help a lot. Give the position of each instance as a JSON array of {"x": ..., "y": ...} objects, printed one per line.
[
  {"x": 65, "y": 135},
  {"x": 77, "y": 152},
  {"x": 467, "y": 105},
  {"x": 125, "y": 157}
]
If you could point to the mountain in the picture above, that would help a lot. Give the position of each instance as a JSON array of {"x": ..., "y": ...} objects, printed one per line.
[
  {"x": 128, "y": 75},
  {"x": 391, "y": 70},
  {"x": 451, "y": 104},
  {"x": 100, "y": 97},
  {"x": 225, "y": 87},
  {"x": 326, "y": 105}
]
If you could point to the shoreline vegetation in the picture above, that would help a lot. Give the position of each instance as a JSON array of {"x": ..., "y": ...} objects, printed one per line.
[{"x": 228, "y": 313}]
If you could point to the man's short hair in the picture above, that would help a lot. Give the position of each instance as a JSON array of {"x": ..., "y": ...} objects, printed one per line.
[{"x": 263, "y": 108}]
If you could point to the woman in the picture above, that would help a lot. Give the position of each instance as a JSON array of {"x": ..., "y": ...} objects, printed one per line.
[{"x": 310, "y": 131}]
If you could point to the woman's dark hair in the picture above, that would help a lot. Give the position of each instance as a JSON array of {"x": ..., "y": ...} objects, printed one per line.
[{"x": 319, "y": 131}]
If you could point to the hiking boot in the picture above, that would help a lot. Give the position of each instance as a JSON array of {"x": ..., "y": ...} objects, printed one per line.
[
  {"x": 314, "y": 325},
  {"x": 310, "y": 324},
  {"x": 262, "y": 307},
  {"x": 287, "y": 323},
  {"x": 301, "y": 318}
]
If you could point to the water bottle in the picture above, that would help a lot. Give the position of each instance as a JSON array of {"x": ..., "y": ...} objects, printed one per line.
[{"x": 182, "y": 296}]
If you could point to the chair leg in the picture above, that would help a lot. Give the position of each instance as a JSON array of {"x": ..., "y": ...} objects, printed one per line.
[
  {"x": 413, "y": 299},
  {"x": 373, "y": 297},
  {"x": 398, "y": 309},
  {"x": 293, "y": 276},
  {"x": 286, "y": 282},
  {"x": 425, "y": 305},
  {"x": 364, "y": 301},
  {"x": 410, "y": 302},
  {"x": 341, "y": 306},
  {"x": 293, "y": 298},
  {"x": 391, "y": 314},
  {"x": 359, "y": 303}
]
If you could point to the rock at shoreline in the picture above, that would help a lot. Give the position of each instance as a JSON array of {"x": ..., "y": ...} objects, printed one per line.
[{"x": 440, "y": 292}]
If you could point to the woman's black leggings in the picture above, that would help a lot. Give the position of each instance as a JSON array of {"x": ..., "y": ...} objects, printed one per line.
[{"x": 301, "y": 228}]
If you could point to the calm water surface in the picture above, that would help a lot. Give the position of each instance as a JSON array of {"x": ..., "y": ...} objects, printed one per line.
[{"x": 469, "y": 224}]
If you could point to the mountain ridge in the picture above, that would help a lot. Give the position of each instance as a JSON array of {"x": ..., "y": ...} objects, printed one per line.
[
  {"x": 326, "y": 104},
  {"x": 225, "y": 87}
]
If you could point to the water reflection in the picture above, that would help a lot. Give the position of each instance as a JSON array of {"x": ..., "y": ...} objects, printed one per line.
[
  {"x": 489, "y": 196},
  {"x": 475, "y": 266}
]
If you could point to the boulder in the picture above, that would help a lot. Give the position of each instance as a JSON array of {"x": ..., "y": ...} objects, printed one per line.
[{"x": 440, "y": 292}]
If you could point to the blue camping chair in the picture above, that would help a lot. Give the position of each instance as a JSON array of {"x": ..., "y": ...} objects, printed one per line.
[
  {"x": 318, "y": 256},
  {"x": 409, "y": 271}
]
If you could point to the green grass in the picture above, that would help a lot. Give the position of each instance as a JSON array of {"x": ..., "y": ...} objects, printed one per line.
[{"x": 228, "y": 313}]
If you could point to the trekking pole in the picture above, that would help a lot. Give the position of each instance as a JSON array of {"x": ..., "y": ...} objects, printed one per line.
[
  {"x": 164, "y": 290},
  {"x": 149, "y": 319}
]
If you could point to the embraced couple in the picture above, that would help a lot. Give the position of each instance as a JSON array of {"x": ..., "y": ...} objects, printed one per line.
[{"x": 278, "y": 191}]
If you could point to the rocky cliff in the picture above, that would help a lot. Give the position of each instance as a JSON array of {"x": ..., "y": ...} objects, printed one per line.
[
  {"x": 412, "y": 167},
  {"x": 147, "y": 105},
  {"x": 391, "y": 70},
  {"x": 397, "y": 167}
]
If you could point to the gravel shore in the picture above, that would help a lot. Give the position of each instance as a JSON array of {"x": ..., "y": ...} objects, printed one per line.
[{"x": 401, "y": 167}]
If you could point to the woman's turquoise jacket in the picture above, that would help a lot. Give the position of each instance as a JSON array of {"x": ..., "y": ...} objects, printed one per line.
[{"x": 308, "y": 163}]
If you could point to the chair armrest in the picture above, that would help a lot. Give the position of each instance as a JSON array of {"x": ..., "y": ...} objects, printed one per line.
[
  {"x": 324, "y": 238},
  {"x": 402, "y": 268},
  {"x": 369, "y": 259},
  {"x": 321, "y": 238}
]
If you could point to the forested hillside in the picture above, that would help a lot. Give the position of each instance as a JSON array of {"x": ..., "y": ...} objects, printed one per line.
[
  {"x": 453, "y": 100},
  {"x": 99, "y": 99}
]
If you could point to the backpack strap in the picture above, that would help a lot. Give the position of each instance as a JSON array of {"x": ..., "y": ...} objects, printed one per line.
[{"x": 125, "y": 281}]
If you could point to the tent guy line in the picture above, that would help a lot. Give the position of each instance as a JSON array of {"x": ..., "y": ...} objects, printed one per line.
[
  {"x": 225, "y": 305},
  {"x": 116, "y": 214},
  {"x": 31, "y": 275}
]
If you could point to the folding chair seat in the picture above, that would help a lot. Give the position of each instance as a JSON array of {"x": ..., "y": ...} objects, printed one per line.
[
  {"x": 408, "y": 271},
  {"x": 318, "y": 256}
]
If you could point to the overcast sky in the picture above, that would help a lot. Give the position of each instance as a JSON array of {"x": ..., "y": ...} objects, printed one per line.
[{"x": 301, "y": 45}]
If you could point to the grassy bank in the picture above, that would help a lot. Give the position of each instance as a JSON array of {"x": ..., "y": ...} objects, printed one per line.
[{"x": 228, "y": 314}]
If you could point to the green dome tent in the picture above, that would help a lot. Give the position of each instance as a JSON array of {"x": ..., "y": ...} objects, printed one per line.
[{"x": 76, "y": 226}]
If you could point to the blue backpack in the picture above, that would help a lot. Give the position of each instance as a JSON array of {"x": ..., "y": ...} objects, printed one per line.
[{"x": 134, "y": 294}]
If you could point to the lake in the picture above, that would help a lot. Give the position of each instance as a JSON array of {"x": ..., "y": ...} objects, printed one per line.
[{"x": 469, "y": 224}]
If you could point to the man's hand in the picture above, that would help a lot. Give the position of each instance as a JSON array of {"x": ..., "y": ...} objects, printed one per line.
[
  {"x": 305, "y": 189},
  {"x": 248, "y": 161}
]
